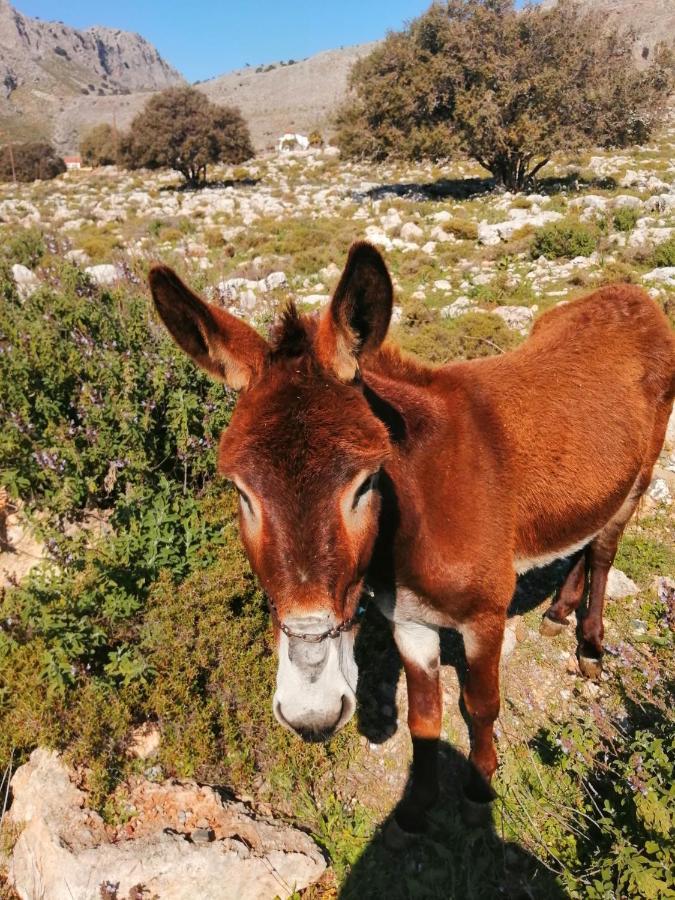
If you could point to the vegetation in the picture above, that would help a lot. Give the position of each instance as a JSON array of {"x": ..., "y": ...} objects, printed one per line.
[
  {"x": 181, "y": 129},
  {"x": 100, "y": 146},
  {"x": 564, "y": 239},
  {"x": 31, "y": 161},
  {"x": 507, "y": 87}
]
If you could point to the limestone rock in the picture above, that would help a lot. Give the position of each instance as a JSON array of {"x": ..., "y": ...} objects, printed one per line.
[
  {"x": 518, "y": 318},
  {"x": 619, "y": 585},
  {"x": 103, "y": 274},
  {"x": 66, "y": 852},
  {"x": 411, "y": 232},
  {"x": 26, "y": 281}
]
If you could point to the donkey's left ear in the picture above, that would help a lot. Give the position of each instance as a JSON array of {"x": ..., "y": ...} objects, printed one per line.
[{"x": 356, "y": 322}]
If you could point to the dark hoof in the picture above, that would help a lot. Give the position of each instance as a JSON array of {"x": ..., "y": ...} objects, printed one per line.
[
  {"x": 549, "y": 627},
  {"x": 476, "y": 814},
  {"x": 591, "y": 667},
  {"x": 397, "y": 838}
]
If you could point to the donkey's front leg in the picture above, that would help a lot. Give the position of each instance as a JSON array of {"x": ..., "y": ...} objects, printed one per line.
[
  {"x": 419, "y": 646},
  {"x": 482, "y": 645}
]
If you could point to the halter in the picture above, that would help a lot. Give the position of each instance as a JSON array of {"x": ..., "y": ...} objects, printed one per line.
[{"x": 333, "y": 632}]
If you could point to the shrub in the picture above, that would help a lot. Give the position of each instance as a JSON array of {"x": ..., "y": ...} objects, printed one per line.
[
  {"x": 100, "y": 146},
  {"x": 563, "y": 239},
  {"x": 664, "y": 254},
  {"x": 96, "y": 402},
  {"x": 25, "y": 246},
  {"x": 508, "y": 87},
  {"x": 181, "y": 129},
  {"x": 625, "y": 218},
  {"x": 466, "y": 337},
  {"x": 32, "y": 161}
]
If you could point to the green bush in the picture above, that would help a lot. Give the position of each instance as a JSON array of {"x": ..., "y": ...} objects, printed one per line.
[
  {"x": 563, "y": 239},
  {"x": 97, "y": 403},
  {"x": 625, "y": 218},
  {"x": 664, "y": 254},
  {"x": 25, "y": 246},
  {"x": 466, "y": 337}
]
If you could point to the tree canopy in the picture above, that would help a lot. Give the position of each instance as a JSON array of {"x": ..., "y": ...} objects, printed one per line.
[
  {"x": 181, "y": 129},
  {"x": 30, "y": 161},
  {"x": 507, "y": 87},
  {"x": 100, "y": 146}
]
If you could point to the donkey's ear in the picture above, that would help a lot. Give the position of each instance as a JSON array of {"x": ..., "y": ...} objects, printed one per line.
[
  {"x": 357, "y": 319},
  {"x": 226, "y": 347}
]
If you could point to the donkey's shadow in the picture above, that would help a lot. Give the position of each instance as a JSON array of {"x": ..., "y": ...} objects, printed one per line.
[
  {"x": 452, "y": 861},
  {"x": 380, "y": 665}
]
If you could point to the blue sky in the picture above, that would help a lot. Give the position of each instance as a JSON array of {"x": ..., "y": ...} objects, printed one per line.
[{"x": 203, "y": 38}]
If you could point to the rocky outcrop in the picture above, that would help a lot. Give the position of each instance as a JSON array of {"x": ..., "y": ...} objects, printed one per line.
[
  {"x": 181, "y": 841},
  {"x": 67, "y": 61}
]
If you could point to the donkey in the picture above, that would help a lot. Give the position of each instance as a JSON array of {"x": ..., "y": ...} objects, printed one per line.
[{"x": 361, "y": 469}]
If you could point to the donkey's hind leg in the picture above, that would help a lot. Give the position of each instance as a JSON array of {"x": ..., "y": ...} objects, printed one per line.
[
  {"x": 567, "y": 599},
  {"x": 602, "y": 551}
]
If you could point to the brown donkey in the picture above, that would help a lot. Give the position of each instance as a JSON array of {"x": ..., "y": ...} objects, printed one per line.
[{"x": 430, "y": 487}]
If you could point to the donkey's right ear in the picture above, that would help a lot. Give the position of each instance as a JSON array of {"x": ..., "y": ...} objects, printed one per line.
[{"x": 219, "y": 342}]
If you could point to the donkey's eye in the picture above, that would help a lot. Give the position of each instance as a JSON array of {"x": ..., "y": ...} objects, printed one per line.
[
  {"x": 243, "y": 496},
  {"x": 364, "y": 488}
]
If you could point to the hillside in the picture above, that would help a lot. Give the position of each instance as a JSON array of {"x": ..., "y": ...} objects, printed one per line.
[
  {"x": 44, "y": 65},
  {"x": 652, "y": 21}
]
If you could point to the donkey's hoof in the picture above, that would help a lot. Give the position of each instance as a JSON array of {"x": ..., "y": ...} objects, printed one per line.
[
  {"x": 397, "y": 838},
  {"x": 591, "y": 667},
  {"x": 549, "y": 627},
  {"x": 476, "y": 814}
]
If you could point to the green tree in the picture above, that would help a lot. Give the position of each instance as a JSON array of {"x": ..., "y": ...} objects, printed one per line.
[
  {"x": 181, "y": 129},
  {"x": 99, "y": 146},
  {"x": 508, "y": 88},
  {"x": 31, "y": 161}
]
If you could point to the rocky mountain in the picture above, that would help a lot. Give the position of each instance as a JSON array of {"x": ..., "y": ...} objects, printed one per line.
[
  {"x": 651, "y": 21},
  {"x": 276, "y": 98},
  {"x": 43, "y": 65}
]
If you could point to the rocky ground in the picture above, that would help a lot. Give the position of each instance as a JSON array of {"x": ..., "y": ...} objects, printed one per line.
[{"x": 278, "y": 229}]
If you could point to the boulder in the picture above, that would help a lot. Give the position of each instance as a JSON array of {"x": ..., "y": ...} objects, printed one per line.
[
  {"x": 104, "y": 274},
  {"x": 182, "y": 841},
  {"x": 411, "y": 232},
  {"x": 619, "y": 585},
  {"x": 458, "y": 308},
  {"x": 26, "y": 281},
  {"x": 518, "y": 318}
]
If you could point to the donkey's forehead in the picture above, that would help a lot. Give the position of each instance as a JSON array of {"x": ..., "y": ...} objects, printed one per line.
[{"x": 303, "y": 423}]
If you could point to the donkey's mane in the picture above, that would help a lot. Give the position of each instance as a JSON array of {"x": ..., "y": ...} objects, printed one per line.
[{"x": 292, "y": 334}]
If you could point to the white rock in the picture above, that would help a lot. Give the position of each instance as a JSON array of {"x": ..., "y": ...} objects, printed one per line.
[
  {"x": 627, "y": 201},
  {"x": 442, "y": 285},
  {"x": 458, "y": 308},
  {"x": 411, "y": 232},
  {"x": 391, "y": 221},
  {"x": 273, "y": 280},
  {"x": 659, "y": 491},
  {"x": 429, "y": 248},
  {"x": 666, "y": 275},
  {"x": 441, "y": 236},
  {"x": 376, "y": 236},
  {"x": 518, "y": 318},
  {"x": 619, "y": 585},
  {"x": 442, "y": 216},
  {"x": 26, "y": 281},
  {"x": 64, "y": 853},
  {"x": 104, "y": 274}
]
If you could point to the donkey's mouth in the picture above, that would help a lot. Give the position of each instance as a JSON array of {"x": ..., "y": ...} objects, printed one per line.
[{"x": 315, "y": 732}]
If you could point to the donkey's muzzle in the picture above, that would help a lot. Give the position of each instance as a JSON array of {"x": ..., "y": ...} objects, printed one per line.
[{"x": 316, "y": 728}]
